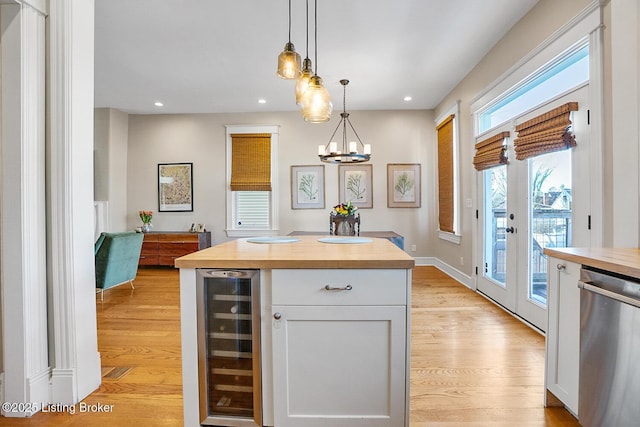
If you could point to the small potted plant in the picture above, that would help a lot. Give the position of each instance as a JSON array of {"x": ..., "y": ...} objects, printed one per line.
[
  {"x": 345, "y": 216},
  {"x": 146, "y": 217}
]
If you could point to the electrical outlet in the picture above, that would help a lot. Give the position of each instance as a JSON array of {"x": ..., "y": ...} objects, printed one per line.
[{"x": 413, "y": 248}]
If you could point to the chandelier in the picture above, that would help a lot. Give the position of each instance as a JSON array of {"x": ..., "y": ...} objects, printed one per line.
[{"x": 349, "y": 152}]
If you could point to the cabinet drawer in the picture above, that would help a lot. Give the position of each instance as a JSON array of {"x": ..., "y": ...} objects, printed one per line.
[
  {"x": 148, "y": 259},
  {"x": 367, "y": 287},
  {"x": 177, "y": 249},
  {"x": 178, "y": 237},
  {"x": 167, "y": 259}
]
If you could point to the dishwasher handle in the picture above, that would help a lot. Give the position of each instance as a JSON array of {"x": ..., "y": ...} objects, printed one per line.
[{"x": 588, "y": 286}]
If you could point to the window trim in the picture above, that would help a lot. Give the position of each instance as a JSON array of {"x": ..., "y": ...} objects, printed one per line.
[
  {"x": 273, "y": 229},
  {"x": 454, "y": 237}
]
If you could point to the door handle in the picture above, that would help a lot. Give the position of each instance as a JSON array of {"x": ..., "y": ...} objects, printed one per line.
[{"x": 509, "y": 229}]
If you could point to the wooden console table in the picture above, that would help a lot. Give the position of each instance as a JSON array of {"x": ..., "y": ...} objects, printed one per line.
[
  {"x": 163, "y": 247},
  {"x": 394, "y": 237}
]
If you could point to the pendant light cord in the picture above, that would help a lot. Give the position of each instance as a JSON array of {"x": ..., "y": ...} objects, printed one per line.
[
  {"x": 289, "y": 21},
  {"x": 316, "y": 35},
  {"x": 307, "y": 15}
]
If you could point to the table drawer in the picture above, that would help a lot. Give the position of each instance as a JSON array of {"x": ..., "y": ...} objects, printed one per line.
[{"x": 346, "y": 287}]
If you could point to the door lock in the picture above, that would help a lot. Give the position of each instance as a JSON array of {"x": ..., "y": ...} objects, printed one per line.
[{"x": 509, "y": 229}]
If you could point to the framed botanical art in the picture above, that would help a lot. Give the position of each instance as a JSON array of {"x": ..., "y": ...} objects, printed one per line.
[
  {"x": 403, "y": 185},
  {"x": 356, "y": 185},
  {"x": 175, "y": 187},
  {"x": 307, "y": 187}
]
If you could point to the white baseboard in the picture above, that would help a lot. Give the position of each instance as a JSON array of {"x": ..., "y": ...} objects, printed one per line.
[{"x": 450, "y": 271}]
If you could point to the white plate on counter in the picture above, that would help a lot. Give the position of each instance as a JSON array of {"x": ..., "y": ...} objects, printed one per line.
[
  {"x": 344, "y": 240},
  {"x": 273, "y": 239}
]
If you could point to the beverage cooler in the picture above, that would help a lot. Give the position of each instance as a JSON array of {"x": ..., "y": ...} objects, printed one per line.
[{"x": 229, "y": 348}]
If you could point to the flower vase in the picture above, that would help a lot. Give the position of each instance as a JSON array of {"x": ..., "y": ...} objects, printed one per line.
[
  {"x": 146, "y": 227},
  {"x": 345, "y": 228}
]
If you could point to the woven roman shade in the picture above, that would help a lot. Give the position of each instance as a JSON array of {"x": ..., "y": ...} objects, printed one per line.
[
  {"x": 491, "y": 152},
  {"x": 545, "y": 133},
  {"x": 251, "y": 162},
  {"x": 445, "y": 174}
]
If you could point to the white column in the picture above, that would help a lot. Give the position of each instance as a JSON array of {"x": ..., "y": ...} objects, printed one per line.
[
  {"x": 76, "y": 361},
  {"x": 625, "y": 96},
  {"x": 23, "y": 207}
]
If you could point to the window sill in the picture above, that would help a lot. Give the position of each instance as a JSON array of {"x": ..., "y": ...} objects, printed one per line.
[
  {"x": 250, "y": 233},
  {"x": 449, "y": 237}
]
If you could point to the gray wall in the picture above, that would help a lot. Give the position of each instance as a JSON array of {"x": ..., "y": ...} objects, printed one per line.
[
  {"x": 395, "y": 136},
  {"x": 542, "y": 21},
  {"x": 111, "y": 129}
]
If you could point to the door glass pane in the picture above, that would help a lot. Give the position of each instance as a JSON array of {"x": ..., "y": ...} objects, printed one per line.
[
  {"x": 495, "y": 221},
  {"x": 550, "y": 207}
]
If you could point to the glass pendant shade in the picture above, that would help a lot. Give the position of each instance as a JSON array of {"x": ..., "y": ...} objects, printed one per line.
[
  {"x": 316, "y": 102},
  {"x": 289, "y": 62},
  {"x": 303, "y": 81}
]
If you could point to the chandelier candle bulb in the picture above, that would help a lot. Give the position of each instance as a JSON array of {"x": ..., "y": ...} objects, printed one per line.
[
  {"x": 333, "y": 147},
  {"x": 367, "y": 148},
  {"x": 321, "y": 151},
  {"x": 353, "y": 147}
]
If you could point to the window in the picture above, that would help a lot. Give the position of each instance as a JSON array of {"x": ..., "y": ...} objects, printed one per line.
[
  {"x": 570, "y": 71},
  {"x": 448, "y": 175},
  {"x": 251, "y": 180}
]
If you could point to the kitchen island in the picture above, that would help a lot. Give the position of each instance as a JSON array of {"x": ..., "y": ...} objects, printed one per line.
[{"x": 334, "y": 322}]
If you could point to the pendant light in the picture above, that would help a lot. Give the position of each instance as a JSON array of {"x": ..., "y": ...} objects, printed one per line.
[
  {"x": 348, "y": 153},
  {"x": 289, "y": 59},
  {"x": 315, "y": 101},
  {"x": 307, "y": 70}
]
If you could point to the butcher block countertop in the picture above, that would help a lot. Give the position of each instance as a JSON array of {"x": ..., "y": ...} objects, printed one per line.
[
  {"x": 624, "y": 261},
  {"x": 308, "y": 252}
]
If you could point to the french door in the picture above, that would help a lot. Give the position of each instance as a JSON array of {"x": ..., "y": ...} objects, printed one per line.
[{"x": 527, "y": 205}]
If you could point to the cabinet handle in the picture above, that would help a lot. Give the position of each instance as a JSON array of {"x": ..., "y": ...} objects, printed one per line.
[
  {"x": 344, "y": 288},
  {"x": 277, "y": 316},
  {"x": 561, "y": 267}
]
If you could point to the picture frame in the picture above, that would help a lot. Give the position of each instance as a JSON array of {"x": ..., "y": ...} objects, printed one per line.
[
  {"x": 356, "y": 185},
  {"x": 175, "y": 187},
  {"x": 307, "y": 187},
  {"x": 403, "y": 185}
]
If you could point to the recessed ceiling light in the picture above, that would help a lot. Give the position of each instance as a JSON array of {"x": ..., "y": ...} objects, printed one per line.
[
  {"x": 408, "y": 98},
  {"x": 262, "y": 101},
  {"x": 158, "y": 104}
]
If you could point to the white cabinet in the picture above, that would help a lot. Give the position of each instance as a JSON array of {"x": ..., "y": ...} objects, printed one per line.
[
  {"x": 340, "y": 340},
  {"x": 563, "y": 334}
]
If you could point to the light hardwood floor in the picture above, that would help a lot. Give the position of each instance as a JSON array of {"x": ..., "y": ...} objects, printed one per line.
[{"x": 472, "y": 364}]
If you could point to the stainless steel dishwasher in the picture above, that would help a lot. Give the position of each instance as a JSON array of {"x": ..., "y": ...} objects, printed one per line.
[{"x": 609, "y": 388}]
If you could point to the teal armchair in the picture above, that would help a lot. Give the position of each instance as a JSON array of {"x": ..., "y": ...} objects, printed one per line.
[{"x": 116, "y": 258}]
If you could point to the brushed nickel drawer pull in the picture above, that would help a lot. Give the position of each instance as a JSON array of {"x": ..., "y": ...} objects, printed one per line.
[{"x": 331, "y": 288}]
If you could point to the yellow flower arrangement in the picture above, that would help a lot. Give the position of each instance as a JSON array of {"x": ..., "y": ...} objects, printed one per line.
[{"x": 345, "y": 209}]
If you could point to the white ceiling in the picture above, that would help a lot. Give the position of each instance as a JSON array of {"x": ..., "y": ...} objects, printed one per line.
[{"x": 210, "y": 56}]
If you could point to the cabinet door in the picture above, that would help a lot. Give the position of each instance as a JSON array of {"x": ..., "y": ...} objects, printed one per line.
[
  {"x": 563, "y": 332},
  {"x": 339, "y": 366}
]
